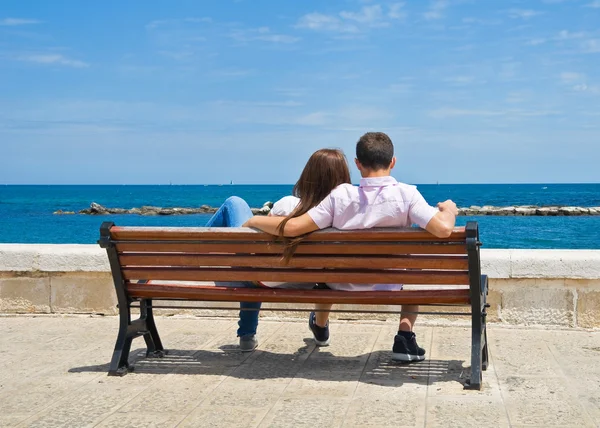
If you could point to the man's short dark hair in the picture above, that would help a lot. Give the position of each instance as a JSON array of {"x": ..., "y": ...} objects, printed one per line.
[{"x": 375, "y": 151}]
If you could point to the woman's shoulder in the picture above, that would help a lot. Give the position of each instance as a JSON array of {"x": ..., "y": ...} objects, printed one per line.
[{"x": 285, "y": 205}]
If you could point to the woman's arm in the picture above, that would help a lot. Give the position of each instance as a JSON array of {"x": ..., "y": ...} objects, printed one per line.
[{"x": 295, "y": 227}]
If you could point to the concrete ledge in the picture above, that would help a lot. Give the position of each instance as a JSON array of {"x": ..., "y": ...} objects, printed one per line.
[{"x": 527, "y": 287}]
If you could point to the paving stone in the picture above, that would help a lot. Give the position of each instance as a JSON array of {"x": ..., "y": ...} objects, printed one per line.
[
  {"x": 246, "y": 393},
  {"x": 347, "y": 345},
  {"x": 13, "y": 419},
  {"x": 146, "y": 419},
  {"x": 513, "y": 350},
  {"x": 338, "y": 388},
  {"x": 87, "y": 406},
  {"x": 451, "y": 342},
  {"x": 448, "y": 378},
  {"x": 173, "y": 393},
  {"x": 381, "y": 370},
  {"x": 53, "y": 373},
  {"x": 477, "y": 412},
  {"x": 383, "y": 413},
  {"x": 306, "y": 412},
  {"x": 542, "y": 401},
  {"x": 223, "y": 417}
]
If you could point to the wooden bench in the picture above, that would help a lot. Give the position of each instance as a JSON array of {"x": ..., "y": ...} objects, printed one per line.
[{"x": 154, "y": 262}]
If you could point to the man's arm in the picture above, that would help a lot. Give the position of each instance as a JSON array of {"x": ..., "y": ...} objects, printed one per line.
[
  {"x": 442, "y": 224},
  {"x": 295, "y": 227}
]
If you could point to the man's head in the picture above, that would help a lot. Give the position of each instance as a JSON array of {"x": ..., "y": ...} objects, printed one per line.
[{"x": 375, "y": 154}]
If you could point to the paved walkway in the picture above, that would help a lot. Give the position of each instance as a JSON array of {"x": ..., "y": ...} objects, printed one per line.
[{"x": 53, "y": 373}]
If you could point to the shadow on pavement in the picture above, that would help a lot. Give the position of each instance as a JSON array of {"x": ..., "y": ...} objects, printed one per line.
[{"x": 374, "y": 368}]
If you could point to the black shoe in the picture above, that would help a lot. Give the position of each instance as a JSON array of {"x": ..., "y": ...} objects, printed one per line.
[
  {"x": 406, "y": 349},
  {"x": 321, "y": 334}
]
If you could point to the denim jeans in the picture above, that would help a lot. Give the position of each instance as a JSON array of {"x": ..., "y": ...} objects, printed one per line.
[{"x": 233, "y": 213}]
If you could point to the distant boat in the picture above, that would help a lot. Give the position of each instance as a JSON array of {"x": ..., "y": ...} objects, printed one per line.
[
  {"x": 231, "y": 182},
  {"x": 544, "y": 188}
]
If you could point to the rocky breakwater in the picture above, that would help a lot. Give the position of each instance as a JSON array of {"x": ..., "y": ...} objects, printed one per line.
[
  {"x": 524, "y": 210},
  {"x": 529, "y": 210},
  {"x": 97, "y": 209}
]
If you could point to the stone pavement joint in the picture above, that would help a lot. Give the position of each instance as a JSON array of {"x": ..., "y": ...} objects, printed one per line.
[{"x": 53, "y": 374}]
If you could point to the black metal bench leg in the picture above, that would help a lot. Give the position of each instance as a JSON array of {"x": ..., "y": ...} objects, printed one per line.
[
  {"x": 485, "y": 356},
  {"x": 119, "y": 365},
  {"x": 479, "y": 349},
  {"x": 476, "y": 356},
  {"x": 151, "y": 337}
]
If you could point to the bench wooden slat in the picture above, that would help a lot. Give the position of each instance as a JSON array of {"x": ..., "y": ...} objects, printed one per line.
[
  {"x": 362, "y": 248},
  {"x": 223, "y": 294},
  {"x": 360, "y": 276},
  {"x": 299, "y": 261},
  {"x": 243, "y": 233}
]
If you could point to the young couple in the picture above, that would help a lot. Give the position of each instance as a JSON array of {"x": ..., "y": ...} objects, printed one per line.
[{"x": 324, "y": 197}]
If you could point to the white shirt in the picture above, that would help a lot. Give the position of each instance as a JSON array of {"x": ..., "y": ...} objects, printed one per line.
[{"x": 377, "y": 202}]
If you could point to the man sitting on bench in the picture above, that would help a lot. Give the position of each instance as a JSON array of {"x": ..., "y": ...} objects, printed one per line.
[{"x": 379, "y": 201}]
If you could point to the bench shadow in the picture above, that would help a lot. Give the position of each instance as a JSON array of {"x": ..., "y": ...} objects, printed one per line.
[{"x": 375, "y": 368}]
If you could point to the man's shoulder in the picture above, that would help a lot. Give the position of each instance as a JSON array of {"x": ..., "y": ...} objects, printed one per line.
[{"x": 344, "y": 190}]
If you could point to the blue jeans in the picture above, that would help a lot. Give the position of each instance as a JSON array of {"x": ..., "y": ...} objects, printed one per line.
[{"x": 233, "y": 213}]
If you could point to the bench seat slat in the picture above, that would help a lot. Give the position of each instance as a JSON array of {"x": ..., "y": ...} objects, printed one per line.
[
  {"x": 241, "y": 233},
  {"x": 299, "y": 261},
  {"x": 223, "y": 294},
  {"x": 359, "y": 276},
  {"x": 363, "y": 248}
]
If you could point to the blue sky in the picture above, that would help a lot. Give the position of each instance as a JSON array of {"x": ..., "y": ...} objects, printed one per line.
[{"x": 476, "y": 91}]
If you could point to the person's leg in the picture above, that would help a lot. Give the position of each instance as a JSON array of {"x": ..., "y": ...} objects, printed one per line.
[
  {"x": 234, "y": 213},
  {"x": 405, "y": 346},
  {"x": 322, "y": 314},
  {"x": 318, "y": 322},
  {"x": 407, "y": 321}
]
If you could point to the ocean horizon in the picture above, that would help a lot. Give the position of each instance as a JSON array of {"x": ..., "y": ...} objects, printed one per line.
[{"x": 26, "y": 210}]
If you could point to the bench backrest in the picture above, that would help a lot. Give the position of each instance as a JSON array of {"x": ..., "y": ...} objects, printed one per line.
[{"x": 403, "y": 256}]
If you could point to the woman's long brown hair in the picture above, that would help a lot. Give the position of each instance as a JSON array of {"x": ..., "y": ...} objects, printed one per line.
[{"x": 325, "y": 170}]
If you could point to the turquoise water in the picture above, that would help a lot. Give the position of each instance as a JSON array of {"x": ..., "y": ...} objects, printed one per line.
[{"x": 26, "y": 211}]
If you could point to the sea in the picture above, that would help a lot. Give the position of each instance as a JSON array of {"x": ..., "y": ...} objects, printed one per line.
[{"x": 26, "y": 211}]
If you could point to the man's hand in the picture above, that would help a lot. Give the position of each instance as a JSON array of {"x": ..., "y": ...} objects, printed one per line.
[
  {"x": 448, "y": 205},
  {"x": 442, "y": 224}
]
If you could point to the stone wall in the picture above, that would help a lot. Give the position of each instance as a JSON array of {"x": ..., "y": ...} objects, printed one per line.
[{"x": 527, "y": 287}]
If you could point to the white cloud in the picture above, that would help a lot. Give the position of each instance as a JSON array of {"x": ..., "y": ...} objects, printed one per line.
[
  {"x": 445, "y": 113},
  {"x": 523, "y": 13},
  {"x": 320, "y": 22},
  {"x": 373, "y": 16},
  {"x": 263, "y": 34},
  {"x": 436, "y": 10},
  {"x": 591, "y": 46},
  {"x": 595, "y": 4},
  {"x": 463, "y": 80},
  {"x": 536, "y": 42},
  {"x": 396, "y": 11},
  {"x": 567, "y": 35},
  {"x": 166, "y": 22},
  {"x": 401, "y": 88},
  {"x": 570, "y": 77},
  {"x": 368, "y": 15},
  {"x": 584, "y": 87},
  {"x": 13, "y": 22},
  {"x": 578, "y": 82},
  {"x": 52, "y": 59}
]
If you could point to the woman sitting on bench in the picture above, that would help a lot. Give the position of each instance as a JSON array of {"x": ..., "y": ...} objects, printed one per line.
[{"x": 325, "y": 170}]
